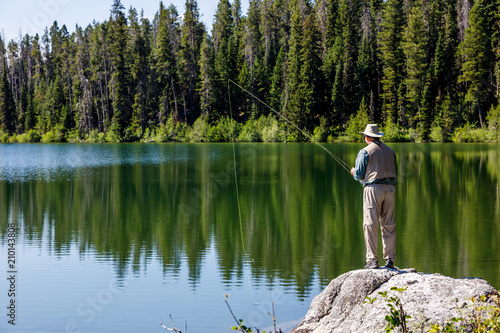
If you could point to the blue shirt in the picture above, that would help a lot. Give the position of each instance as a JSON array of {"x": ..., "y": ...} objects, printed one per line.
[{"x": 360, "y": 170}]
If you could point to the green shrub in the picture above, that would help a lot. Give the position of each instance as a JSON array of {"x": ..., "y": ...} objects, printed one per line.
[
  {"x": 332, "y": 138},
  {"x": 148, "y": 135},
  {"x": 356, "y": 123},
  {"x": 394, "y": 133},
  {"x": 74, "y": 136},
  {"x": 56, "y": 134},
  {"x": 469, "y": 133},
  {"x": 112, "y": 136},
  {"x": 4, "y": 137},
  {"x": 272, "y": 131},
  {"x": 319, "y": 134},
  {"x": 199, "y": 131},
  {"x": 170, "y": 131},
  {"x": 132, "y": 134},
  {"x": 95, "y": 136},
  {"x": 31, "y": 136},
  {"x": 437, "y": 134},
  {"x": 225, "y": 130},
  {"x": 250, "y": 132},
  {"x": 493, "y": 119}
]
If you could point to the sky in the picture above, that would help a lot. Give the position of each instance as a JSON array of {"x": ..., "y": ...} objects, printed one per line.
[{"x": 20, "y": 17}]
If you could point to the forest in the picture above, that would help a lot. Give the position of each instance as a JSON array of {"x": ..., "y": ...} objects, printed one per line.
[{"x": 424, "y": 70}]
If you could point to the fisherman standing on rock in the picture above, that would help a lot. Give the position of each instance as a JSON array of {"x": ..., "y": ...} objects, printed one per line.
[{"x": 376, "y": 170}]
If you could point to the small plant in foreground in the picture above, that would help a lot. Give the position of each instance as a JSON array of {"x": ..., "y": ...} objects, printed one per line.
[
  {"x": 245, "y": 329},
  {"x": 397, "y": 316},
  {"x": 485, "y": 318}
]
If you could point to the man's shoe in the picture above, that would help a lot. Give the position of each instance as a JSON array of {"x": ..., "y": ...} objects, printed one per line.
[
  {"x": 371, "y": 265},
  {"x": 389, "y": 263}
]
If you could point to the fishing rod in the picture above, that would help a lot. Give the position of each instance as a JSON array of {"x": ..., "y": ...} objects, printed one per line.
[
  {"x": 343, "y": 164},
  {"x": 335, "y": 157}
]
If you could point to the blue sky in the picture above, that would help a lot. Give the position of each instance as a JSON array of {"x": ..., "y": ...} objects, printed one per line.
[{"x": 32, "y": 16}]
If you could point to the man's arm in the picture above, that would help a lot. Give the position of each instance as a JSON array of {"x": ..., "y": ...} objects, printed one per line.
[{"x": 359, "y": 170}]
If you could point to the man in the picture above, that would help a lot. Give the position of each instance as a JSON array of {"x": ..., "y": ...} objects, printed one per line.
[{"x": 376, "y": 170}]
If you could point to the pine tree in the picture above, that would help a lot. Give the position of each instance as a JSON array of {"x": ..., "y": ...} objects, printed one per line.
[
  {"x": 276, "y": 93},
  {"x": 140, "y": 70},
  {"x": 368, "y": 66},
  {"x": 252, "y": 53},
  {"x": 477, "y": 50},
  {"x": 390, "y": 40},
  {"x": 167, "y": 48},
  {"x": 30, "y": 119},
  {"x": 225, "y": 48},
  {"x": 57, "y": 104},
  {"x": 269, "y": 31},
  {"x": 415, "y": 43},
  {"x": 120, "y": 77},
  {"x": 7, "y": 104},
  {"x": 496, "y": 45},
  {"x": 2, "y": 53},
  {"x": 99, "y": 78},
  {"x": 36, "y": 55},
  {"x": 189, "y": 58},
  {"x": 349, "y": 16},
  {"x": 206, "y": 84},
  {"x": 306, "y": 78}
]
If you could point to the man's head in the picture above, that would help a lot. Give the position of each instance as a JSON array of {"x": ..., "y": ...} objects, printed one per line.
[{"x": 372, "y": 133}]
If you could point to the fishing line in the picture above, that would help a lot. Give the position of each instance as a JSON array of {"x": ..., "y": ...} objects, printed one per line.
[
  {"x": 238, "y": 195},
  {"x": 236, "y": 174},
  {"x": 335, "y": 157},
  {"x": 343, "y": 164}
]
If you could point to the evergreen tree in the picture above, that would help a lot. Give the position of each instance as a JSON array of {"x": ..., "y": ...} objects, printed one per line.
[
  {"x": 57, "y": 104},
  {"x": 2, "y": 53},
  {"x": 120, "y": 77},
  {"x": 368, "y": 66},
  {"x": 332, "y": 22},
  {"x": 7, "y": 104},
  {"x": 206, "y": 84},
  {"x": 165, "y": 54},
  {"x": 140, "y": 69},
  {"x": 30, "y": 119},
  {"x": 392, "y": 56},
  {"x": 349, "y": 16},
  {"x": 252, "y": 53},
  {"x": 225, "y": 62},
  {"x": 416, "y": 62},
  {"x": 36, "y": 55},
  {"x": 189, "y": 58},
  {"x": 496, "y": 45},
  {"x": 269, "y": 32},
  {"x": 306, "y": 104},
  {"x": 100, "y": 78},
  {"x": 276, "y": 93},
  {"x": 477, "y": 50}
]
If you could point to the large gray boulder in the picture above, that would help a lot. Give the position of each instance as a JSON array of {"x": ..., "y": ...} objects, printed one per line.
[{"x": 428, "y": 299}]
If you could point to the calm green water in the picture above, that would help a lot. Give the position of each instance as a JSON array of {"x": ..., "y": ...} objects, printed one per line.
[{"x": 114, "y": 238}]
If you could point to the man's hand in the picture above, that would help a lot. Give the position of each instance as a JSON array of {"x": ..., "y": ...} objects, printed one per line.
[{"x": 352, "y": 171}]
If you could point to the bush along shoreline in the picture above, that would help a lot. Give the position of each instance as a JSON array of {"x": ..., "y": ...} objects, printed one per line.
[{"x": 263, "y": 129}]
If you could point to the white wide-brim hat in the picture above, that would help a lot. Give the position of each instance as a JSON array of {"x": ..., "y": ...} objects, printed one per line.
[{"x": 372, "y": 131}]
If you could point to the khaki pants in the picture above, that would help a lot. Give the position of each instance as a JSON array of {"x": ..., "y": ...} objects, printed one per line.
[{"x": 378, "y": 207}]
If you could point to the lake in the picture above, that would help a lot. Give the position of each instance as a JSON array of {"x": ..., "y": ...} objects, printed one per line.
[{"x": 118, "y": 237}]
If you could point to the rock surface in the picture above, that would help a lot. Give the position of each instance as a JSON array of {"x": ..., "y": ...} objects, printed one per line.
[{"x": 428, "y": 299}]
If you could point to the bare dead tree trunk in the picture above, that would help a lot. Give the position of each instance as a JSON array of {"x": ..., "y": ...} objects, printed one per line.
[
  {"x": 175, "y": 98},
  {"x": 463, "y": 9}
]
